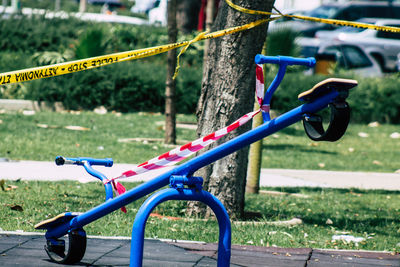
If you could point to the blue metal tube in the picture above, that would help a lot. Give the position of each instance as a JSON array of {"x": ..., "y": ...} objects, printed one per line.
[
  {"x": 138, "y": 229},
  {"x": 101, "y": 177},
  {"x": 274, "y": 85},
  {"x": 194, "y": 164}
]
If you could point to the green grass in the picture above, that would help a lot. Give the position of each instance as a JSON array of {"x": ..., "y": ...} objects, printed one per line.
[
  {"x": 373, "y": 215},
  {"x": 22, "y": 139}
]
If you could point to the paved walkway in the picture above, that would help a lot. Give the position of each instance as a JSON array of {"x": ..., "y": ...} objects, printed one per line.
[
  {"x": 27, "y": 250},
  {"x": 38, "y": 170}
]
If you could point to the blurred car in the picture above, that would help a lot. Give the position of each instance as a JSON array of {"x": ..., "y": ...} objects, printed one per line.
[
  {"x": 352, "y": 58},
  {"x": 382, "y": 45},
  {"x": 350, "y": 11},
  {"x": 110, "y": 3},
  {"x": 333, "y": 35},
  {"x": 158, "y": 15},
  {"x": 144, "y": 6}
]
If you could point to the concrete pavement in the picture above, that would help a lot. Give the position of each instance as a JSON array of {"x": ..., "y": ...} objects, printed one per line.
[{"x": 27, "y": 250}]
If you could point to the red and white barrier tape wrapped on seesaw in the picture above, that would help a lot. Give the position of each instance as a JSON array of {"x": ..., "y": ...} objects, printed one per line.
[{"x": 176, "y": 155}]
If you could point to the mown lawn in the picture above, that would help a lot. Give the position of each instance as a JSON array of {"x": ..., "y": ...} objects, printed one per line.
[
  {"x": 372, "y": 215},
  {"x": 363, "y": 148}
]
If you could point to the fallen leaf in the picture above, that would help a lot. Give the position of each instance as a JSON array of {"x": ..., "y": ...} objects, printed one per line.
[
  {"x": 28, "y": 112},
  {"x": 288, "y": 254},
  {"x": 313, "y": 144},
  {"x": 76, "y": 128},
  {"x": 17, "y": 208},
  {"x": 373, "y": 124},
  {"x": 377, "y": 162},
  {"x": 351, "y": 150},
  {"x": 45, "y": 126},
  {"x": 395, "y": 135},
  {"x": 100, "y": 110},
  {"x": 321, "y": 165},
  {"x": 363, "y": 135},
  {"x": 329, "y": 221},
  {"x": 11, "y": 187}
]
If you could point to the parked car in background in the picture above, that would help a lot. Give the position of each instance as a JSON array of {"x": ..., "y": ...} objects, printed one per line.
[
  {"x": 384, "y": 46},
  {"x": 333, "y": 35},
  {"x": 158, "y": 15},
  {"x": 352, "y": 58},
  {"x": 350, "y": 11},
  {"x": 144, "y": 6}
]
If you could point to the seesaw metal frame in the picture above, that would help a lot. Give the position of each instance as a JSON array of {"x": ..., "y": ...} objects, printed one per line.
[{"x": 183, "y": 186}]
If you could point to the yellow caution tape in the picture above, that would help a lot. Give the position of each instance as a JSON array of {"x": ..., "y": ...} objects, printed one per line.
[
  {"x": 95, "y": 62},
  {"x": 326, "y": 21},
  {"x": 197, "y": 38}
]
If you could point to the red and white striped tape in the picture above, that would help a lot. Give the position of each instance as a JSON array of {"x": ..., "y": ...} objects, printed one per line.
[{"x": 174, "y": 156}]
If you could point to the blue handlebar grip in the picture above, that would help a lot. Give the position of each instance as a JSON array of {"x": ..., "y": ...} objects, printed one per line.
[
  {"x": 108, "y": 162},
  {"x": 261, "y": 59}
]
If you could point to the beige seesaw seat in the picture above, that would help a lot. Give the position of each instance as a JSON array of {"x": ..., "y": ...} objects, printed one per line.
[
  {"x": 327, "y": 86},
  {"x": 57, "y": 220}
]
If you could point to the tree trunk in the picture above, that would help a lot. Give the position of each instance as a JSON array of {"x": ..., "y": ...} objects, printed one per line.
[
  {"x": 227, "y": 94},
  {"x": 57, "y": 5},
  {"x": 210, "y": 11},
  {"x": 255, "y": 153},
  {"x": 255, "y": 158},
  {"x": 170, "y": 112},
  {"x": 82, "y": 6},
  {"x": 187, "y": 15}
]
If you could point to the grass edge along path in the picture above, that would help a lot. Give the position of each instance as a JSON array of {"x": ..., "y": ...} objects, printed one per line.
[{"x": 44, "y": 135}]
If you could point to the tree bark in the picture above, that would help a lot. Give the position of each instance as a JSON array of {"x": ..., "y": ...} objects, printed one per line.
[
  {"x": 170, "y": 110},
  {"x": 187, "y": 14},
  {"x": 255, "y": 158},
  {"x": 227, "y": 94},
  {"x": 210, "y": 11},
  {"x": 255, "y": 153},
  {"x": 82, "y": 6}
]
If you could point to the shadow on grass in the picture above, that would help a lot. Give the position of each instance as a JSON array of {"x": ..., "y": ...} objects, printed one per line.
[
  {"x": 334, "y": 190},
  {"x": 299, "y": 148},
  {"x": 292, "y": 131},
  {"x": 375, "y": 225}
]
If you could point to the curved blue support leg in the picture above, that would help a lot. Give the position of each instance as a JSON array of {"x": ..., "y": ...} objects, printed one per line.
[{"x": 224, "y": 244}]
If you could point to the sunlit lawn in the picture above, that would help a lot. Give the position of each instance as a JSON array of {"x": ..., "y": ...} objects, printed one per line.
[
  {"x": 23, "y": 139},
  {"x": 373, "y": 215}
]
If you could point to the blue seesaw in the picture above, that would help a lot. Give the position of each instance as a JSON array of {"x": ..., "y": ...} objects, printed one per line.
[{"x": 183, "y": 185}]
